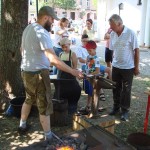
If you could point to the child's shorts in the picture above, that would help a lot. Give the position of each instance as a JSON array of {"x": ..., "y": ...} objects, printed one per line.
[
  {"x": 87, "y": 87},
  {"x": 102, "y": 69}
]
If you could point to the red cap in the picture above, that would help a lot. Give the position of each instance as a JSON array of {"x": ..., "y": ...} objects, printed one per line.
[{"x": 90, "y": 45}]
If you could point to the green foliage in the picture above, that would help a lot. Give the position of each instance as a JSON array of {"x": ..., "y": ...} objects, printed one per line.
[
  {"x": 94, "y": 3},
  {"x": 64, "y": 4}
]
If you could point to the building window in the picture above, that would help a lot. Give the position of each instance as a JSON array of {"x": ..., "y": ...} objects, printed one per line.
[
  {"x": 88, "y": 4},
  {"x": 30, "y": 2},
  {"x": 139, "y": 2},
  {"x": 95, "y": 16},
  {"x": 32, "y": 15},
  {"x": 81, "y": 2},
  {"x": 64, "y": 14}
]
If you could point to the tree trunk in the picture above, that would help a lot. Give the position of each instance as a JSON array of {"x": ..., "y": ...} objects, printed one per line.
[{"x": 14, "y": 20}]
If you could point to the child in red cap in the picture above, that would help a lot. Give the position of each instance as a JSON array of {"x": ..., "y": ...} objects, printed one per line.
[{"x": 92, "y": 68}]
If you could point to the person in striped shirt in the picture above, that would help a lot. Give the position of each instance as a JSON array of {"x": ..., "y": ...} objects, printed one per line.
[{"x": 125, "y": 64}]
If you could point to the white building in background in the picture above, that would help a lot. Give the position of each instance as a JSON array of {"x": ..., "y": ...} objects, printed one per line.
[
  {"x": 84, "y": 10},
  {"x": 135, "y": 15}
]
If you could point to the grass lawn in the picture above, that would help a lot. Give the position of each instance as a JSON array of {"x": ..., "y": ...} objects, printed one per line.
[{"x": 10, "y": 139}]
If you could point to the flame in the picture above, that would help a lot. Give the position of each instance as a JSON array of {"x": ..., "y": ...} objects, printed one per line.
[{"x": 65, "y": 148}]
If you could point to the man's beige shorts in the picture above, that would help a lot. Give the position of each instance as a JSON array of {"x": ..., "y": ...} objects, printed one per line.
[{"x": 35, "y": 91}]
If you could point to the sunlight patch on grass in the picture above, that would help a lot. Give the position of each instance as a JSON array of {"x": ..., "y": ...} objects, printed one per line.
[
  {"x": 13, "y": 148},
  {"x": 102, "y": 116},
  {"x": 36, "y": 135},
  {"x": 142, "y": 79},
  {"x": 117, "y": 121},
  {"x": 34, "y": 141},
  {"x": 16, "y": 144},
  {"x": 134, "y": 97}
]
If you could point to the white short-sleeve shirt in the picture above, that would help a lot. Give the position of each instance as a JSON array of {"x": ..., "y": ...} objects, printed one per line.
[
  {"x": 81, "y": 52},
  {"x": 35, "y": 40},
  {"x": 59, "y": 37},
  {"x": 123, "y": 47}
]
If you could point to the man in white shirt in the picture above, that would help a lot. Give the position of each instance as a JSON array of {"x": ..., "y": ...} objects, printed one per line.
[
  {"x": 125, "y": 64},
  {"x": 37, "y": 55}
]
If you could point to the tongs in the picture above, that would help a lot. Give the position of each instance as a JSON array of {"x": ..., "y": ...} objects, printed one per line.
[{"x": 98, "y": 76}]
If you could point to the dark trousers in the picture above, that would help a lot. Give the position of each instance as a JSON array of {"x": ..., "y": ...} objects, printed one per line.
[
  {"x": 122, "y": 92},
  {"x": 72, "y": 92}
]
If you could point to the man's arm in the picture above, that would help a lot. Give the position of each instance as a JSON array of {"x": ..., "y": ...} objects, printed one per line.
[
  {"x": 60, "y": 64},
  {"x": 60, "y": 32},
  {"x": 136, "y": 61},
  {"x": 107, "y": 36}
]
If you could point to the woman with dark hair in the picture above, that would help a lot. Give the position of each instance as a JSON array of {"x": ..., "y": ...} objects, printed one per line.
[
  {"x": 62, "y": 31},
  {"x": 89, "y": 30}
]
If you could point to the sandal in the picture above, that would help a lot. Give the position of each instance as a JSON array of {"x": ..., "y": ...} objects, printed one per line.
[
  {"x": 101, "y": 109},
  {"x": 102, "y": 97},
  {"x": 84, "y": 110}
]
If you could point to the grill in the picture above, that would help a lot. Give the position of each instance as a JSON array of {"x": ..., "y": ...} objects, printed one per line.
[{"x": 92, "y": 138}]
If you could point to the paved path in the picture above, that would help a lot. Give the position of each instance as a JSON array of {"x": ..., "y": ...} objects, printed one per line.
[{"x": 144, "y": 55}]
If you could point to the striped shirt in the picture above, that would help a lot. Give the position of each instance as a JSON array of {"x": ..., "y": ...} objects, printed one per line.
[{"x": 123, "y": 47}]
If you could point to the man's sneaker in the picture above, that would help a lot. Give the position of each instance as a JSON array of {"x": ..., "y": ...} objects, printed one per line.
[
  {"x": 124, "y": 116},
  {"x": 114, "y": 111},
  {"x": 46, "y": 142},
  {"x": 22, "y": 130}
]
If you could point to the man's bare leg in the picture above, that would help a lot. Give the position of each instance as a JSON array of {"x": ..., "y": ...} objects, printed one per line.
[
  {"x": 25, "y": 111},
  {"x": 45, "y": 122}
]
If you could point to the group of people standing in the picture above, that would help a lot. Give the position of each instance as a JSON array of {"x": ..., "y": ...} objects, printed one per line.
[{"x": 38, "y": 54}]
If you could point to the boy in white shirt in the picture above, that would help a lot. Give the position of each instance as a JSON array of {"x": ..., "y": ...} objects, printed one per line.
[{"x": 82, "y": 52}]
